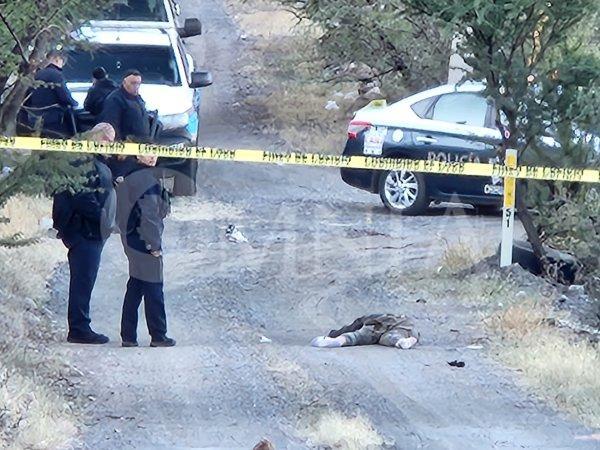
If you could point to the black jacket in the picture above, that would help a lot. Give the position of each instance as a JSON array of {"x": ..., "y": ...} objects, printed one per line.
[
  {"x": 90, "y": 213},
  {"x": 127, "y": 114},
  {"x": 55, "y": 93},
  {"x": 142, "y": 205},
  {"x": 94, "y": 102}
]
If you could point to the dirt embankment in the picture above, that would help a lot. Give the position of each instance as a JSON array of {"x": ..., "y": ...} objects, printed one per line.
[{"x": 37, "y": 399}]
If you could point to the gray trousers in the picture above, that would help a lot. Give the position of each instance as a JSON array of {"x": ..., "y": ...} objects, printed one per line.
[{"x": 367, "y": 335}]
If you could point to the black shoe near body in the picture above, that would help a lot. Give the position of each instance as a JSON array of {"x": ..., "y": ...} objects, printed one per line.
[
  {"x": 164, "y": 342},
  {"x": 129, "y": 344},
  {"x": 89, "y": 338}
]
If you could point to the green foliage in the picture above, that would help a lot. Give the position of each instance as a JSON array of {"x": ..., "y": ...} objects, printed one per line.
[
  {"x": 28, "y": 30},
  {"x": 570, "y": 221},
  {"x": 541, "y": 65},
  {"x": 363, "y": 40},
  {"x": 44, "y": 173},
  {"x": 535, "y": 56}
]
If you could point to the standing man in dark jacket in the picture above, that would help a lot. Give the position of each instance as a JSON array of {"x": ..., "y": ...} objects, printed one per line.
[
  {"x": 102, "y": 88},
  {"x": 53, "y": 98},
  {"x": 125, "y": 110},
  {"x": 84, "y": 221},
  {"x": 143, "y": 204}
]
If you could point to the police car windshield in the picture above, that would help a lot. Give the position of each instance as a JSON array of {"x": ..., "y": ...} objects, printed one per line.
[
  {"x": 156, "y": 63},
  {"x": 138, "y": 10}
]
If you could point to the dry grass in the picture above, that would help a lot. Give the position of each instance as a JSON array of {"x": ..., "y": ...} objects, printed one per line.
[
  {"x": 560, "y": 367},
  {"x": 34, "y": 412},
  {"x": 458, "y": 256},
  {"x": 33, "y": 416},
  {"x": 288, "y": 97},
  {"x": 562, "y": 370},
  {"x": 334, "y": 430}
]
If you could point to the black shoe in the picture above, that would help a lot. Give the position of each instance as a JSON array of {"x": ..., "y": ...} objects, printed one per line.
[
  {"x": 129, "y": 344},
  {"x": 165, "y": 342},
  {"x": 90, "y": 338}
]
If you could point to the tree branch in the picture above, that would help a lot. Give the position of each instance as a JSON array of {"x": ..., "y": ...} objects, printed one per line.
[{"x": 20, "y": 48}]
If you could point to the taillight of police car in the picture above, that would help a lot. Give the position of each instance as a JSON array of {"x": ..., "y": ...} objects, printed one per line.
[{"x": 356, "y": 127}]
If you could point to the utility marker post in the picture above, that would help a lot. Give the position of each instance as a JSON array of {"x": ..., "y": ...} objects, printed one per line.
[{"x": 508, "y": 211}]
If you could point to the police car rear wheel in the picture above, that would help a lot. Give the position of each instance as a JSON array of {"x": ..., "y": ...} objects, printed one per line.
[{"x": 403, "y": 192}]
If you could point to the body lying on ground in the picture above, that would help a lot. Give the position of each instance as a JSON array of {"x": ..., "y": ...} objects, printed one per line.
[{"x": 390, "y": 330}]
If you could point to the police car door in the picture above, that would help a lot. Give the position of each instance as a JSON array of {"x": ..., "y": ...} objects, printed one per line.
[{"x": 460, "y": 128}]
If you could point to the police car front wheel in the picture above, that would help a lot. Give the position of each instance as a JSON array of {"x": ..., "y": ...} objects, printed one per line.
[{"x": 403, "y": 192}]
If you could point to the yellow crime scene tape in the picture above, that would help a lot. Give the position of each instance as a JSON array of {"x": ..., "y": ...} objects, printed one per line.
[{"x": 303, "y": 159}]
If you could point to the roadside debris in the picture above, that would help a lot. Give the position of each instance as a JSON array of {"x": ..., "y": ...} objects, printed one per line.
[
  {"x": 474, "y": 347},
  {"x": 332, "y": 106},
  {"x": 389, "y": 330},
  {"x": 6, "y": 171},
  {"x": 265, "y": 444},
  {"x": 456, "y": 363},
  {"x": 234, "y": 235}
]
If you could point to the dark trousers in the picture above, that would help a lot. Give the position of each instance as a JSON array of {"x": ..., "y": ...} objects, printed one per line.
[
  {"x": 145, "y": 281},
  {"x": 84, "y": 262}
]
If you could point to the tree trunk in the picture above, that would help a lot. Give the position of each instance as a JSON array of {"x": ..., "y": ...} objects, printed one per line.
[
  {"x": 532, "y": 234},
  {"x": 10, "y": 109}
]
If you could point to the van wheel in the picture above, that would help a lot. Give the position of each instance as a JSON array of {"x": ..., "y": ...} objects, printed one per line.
[{"x": 403, "y": 192}]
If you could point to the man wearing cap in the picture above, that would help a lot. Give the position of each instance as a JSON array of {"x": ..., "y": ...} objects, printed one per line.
[{"x": 101, "y": 88}]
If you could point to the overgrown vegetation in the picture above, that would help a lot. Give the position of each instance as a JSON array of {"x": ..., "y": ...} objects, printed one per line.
[
  {"x": 35, "y": 399},
  {"x": 367, "y": 41},
  {"x": 560, "y": 368},
  {"x": 540, "y": 62},
  {"x": 29, "y": 29},
  {"x": 523, "y": 329}
]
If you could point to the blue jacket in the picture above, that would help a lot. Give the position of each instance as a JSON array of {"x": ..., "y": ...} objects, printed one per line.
[
  {"x": 54, "y": 93},
  {"x": 128, "y": 116},
  {"x": 97, "y": 94},
  {"x": 88, "y": 214}
]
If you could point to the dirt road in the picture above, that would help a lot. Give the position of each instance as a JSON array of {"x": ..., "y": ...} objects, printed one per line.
[{"x": 319, "y": 255}]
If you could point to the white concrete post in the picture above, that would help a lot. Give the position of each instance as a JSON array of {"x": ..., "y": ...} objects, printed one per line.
[{"x": 508, "y": 211}]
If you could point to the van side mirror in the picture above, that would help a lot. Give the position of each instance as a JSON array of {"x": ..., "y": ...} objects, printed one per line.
[
  {"x": 200, "y": 79},
  {"x": 191, "y": 28}
]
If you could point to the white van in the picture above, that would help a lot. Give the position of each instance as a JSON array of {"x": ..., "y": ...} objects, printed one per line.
[
  {"x": 170, "y": 82},
  {"x": 148, "y": 14}
]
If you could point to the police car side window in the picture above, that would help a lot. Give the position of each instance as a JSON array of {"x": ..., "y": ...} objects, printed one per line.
[
  {"x": 423, "y": 108},
  {"x": 462, "y": 108}
]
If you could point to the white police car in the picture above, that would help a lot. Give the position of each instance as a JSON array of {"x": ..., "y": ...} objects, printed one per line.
[{"x": 449, "y": 123}]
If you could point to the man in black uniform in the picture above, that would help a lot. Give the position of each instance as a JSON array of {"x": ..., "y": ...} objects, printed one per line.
[
  {"x": 84, "y": 221},
  {"x": 142, "y": 206},
  {"x": 53, "y": 99},
  {"x": 102, "y": 87},
  {"x": 125, "y": 110}
]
